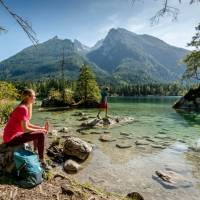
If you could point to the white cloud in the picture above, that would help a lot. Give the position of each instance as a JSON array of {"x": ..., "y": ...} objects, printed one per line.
[{"x": 112, "y": 21}]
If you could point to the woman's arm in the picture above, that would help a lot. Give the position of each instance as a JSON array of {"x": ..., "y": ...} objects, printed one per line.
[
  {"x": 34, "y": 126},
  {"x": 26, "y": 128}
]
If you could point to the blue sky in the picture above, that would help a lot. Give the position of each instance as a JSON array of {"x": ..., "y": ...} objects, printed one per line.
[{"x": 90, "y": 20}]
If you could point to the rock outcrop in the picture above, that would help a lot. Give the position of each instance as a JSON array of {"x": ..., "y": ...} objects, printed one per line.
[
  {"x": 6, "y": 154},
  {"x": 190, "y": 101},
  {"x": 111, "y": 121}
]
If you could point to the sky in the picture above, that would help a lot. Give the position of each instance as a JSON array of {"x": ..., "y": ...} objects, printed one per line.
[{"x": 90, "y": 20}]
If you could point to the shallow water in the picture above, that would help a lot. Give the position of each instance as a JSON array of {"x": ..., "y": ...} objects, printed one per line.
[{"x": 168, "y": 136}]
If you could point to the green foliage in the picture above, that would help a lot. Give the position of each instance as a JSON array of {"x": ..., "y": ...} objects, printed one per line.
[
  {"x": 149, "y": 89},
  {"x": 87, "y": 89},
  {"x": 192, "y": 60},
  {"x": 69, "y": 96},
  {"x": 55, "y": 95},
  {"x": 6, "y": 107},
  {"x": 8, "y": 93}
]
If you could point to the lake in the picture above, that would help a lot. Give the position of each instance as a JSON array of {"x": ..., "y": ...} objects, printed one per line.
[{"x": 164, "y": 141}]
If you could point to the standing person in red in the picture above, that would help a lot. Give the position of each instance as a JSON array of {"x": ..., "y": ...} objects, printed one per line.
[
  {"x": 19, "y": 130},
  {"x": 104, "y": 102}
]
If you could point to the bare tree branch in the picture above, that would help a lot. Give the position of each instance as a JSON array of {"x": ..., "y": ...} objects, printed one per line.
[
  {"x": 167, "y": 10},
  {"x": 27, "y": 28},
  {"x": 2, "y": 29}
]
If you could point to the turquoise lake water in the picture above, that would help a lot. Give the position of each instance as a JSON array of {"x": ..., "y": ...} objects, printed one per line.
[{"x": 170, "y": 138}]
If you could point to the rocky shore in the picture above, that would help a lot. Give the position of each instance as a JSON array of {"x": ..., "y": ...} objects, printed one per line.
[{"x": 65, "y": 155}]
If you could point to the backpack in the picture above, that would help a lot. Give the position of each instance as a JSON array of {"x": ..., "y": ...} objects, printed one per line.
[{"x": 28, "y": 170}]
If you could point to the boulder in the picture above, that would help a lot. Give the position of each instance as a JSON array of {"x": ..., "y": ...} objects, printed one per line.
[
  {"x": 74, "y": 146},
  {"x": 111, "y": 121},
  {"x": 6, "y": 154},
  {"x": 134, "y": 196},
  {"x": 190, "y": 101},
  {"x": 71, "y": 166},
  {"x": 55, "y": 153}
]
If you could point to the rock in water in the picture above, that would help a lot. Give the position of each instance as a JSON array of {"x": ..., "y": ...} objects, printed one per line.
[
  {"x": 172, "y": 179},
  {"x": 190, "y": 101},
  {"x": 71, "y": 166},
  {"x": 64, "y": 130},
  {"x": 123, "y": 145},
  {"x": 141, "y": 142},
  {"x": 53, "y": 132},
  {"x": 111, "y": 121},
  {"x": 91, "y": 123},
  {"x": 76, "y": 147},
  {"x": 123, "y": 133},
  {"x": 106, "y": 138}
]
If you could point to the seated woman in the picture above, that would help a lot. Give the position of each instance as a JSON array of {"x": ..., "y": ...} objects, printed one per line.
[{"x": 19, "y": 130}]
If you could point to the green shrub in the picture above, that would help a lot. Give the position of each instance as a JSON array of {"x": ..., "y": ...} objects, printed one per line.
[
  {"x": 6, "y": 108},
  {"x": 8, "y": 93}
]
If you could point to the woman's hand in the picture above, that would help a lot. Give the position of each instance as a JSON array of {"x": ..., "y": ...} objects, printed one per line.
[{"x": 43, "y": 130}]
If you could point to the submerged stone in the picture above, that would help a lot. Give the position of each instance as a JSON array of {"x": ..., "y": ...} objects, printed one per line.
[
  {"x": 71, "y": 166},
  {"x": 124, "y": 133},
  {"x": 141, "y": 142},
  {"x": 106, "y": 138},
  {"x": 123, "y": 145},
  {"x": 171, "y": 180}
]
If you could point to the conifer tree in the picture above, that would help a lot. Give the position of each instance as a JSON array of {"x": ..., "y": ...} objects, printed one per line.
[
  {"x": 87, "y": 89},
  {"x": 193, "y": 59}
]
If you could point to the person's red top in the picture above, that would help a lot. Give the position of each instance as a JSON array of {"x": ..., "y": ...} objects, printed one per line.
[{"x": 13, "y": 127}]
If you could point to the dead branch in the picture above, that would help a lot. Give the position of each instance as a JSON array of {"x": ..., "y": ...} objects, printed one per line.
[
  {"x": 27, "y": 28},
  {"x": 167, "y": 10}
]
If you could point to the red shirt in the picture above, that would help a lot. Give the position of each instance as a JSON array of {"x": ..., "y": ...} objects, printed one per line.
[{"x": 13, "y": 127}]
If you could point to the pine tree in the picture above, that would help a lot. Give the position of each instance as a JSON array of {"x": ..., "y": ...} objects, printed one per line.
[
  {"x": 87, "y": 89},
  {"x": 193, "y": 59}
]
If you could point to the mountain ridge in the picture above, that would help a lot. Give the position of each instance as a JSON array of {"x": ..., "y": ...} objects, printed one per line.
[{"x": 122, "y": 55}]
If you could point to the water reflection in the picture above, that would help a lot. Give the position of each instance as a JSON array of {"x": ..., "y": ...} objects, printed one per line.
[{"x": 192, "y": 118}]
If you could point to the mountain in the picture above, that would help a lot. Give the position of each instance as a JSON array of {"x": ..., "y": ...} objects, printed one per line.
[
  {"x": 97, "y": 45},
  {"x": 121, "y": 57},
  {"x": 81, "y": 48},
  {"x": 134, "y": 58},
  {"x": 44, "y": 60}
]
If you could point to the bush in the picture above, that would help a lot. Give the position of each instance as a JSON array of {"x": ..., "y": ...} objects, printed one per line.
[
  {"x": 6, "y": 107},
  {"x": 69, "y": 96},
  {"x": 55, "y": 95},
  {"x": 8, "y": 93}
]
